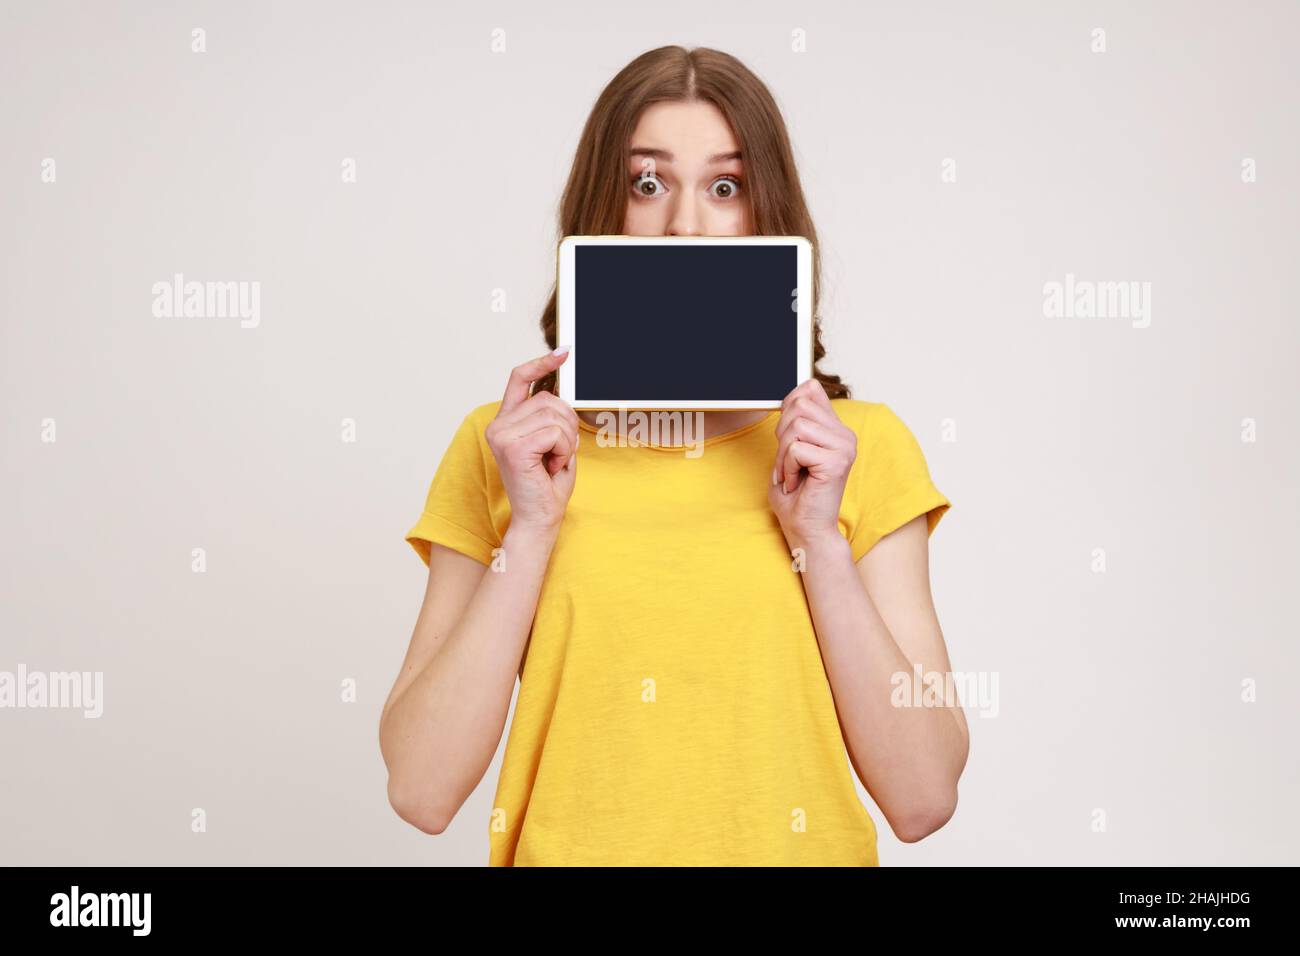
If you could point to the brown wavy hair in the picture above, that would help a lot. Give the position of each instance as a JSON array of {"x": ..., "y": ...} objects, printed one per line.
[{"x": 595, "y": 198}]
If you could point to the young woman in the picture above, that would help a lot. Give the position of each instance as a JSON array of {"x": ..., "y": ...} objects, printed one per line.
[{"x": 688, "y": 689}]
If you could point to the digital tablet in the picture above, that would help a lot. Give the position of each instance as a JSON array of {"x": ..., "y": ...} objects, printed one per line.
[{"x": 677, "y": 322}]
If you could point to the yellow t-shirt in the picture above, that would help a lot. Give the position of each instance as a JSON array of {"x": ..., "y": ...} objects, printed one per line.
[{"x": 673, "y": 707}]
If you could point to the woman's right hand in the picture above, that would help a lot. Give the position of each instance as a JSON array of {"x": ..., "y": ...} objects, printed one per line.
[{"x": 535, "y": 442}]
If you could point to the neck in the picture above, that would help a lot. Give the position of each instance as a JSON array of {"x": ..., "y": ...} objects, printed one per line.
[{"x": 715, "y": 423}]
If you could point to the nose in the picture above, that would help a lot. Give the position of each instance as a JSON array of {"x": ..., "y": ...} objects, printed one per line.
[{"x": 685, "y": 218}]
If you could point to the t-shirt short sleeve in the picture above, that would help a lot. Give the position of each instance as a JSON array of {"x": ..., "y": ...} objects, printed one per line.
[
  {"x": 457, "y": 510},
  {"x": 890, "y": 483}
]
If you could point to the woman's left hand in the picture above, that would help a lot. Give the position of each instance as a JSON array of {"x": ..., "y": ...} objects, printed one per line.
[{"x": 814, "y": 453}]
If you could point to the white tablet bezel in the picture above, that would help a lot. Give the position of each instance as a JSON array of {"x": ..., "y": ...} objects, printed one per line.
[{"x": 564, "y": 316}]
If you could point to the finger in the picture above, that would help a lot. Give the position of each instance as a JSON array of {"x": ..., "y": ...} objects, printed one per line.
[
  {"x": 805, "y": 407},
  {"x": 814, "y": 433},
  {"x": 560, "y": 457},
  {"x": 552, "y": 440},
  {"x": 803, "y": 429},
  {"x": 539, "y": 417},
  {"x": 802, "y": 455},
  {"x": 542, "y": 422},
  {"x": 531, "y": 404},
  {"x": 564, "y": 469},
  {"x": 817, "y": 392},
  {"x": 803, "y": 398},
  {"x": 799, "y": 391},
  {"x": 523, "y": 376},
  {"x": 551, "y": 400},
  {"x": 560, "y": 454}
]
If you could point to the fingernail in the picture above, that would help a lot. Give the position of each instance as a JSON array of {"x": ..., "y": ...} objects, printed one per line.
[
  {"x": 774, "y": 476},
  {"x": 561, "y": 350}
]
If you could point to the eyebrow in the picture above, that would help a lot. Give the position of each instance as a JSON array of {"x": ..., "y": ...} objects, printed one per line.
[{"x": 667, "y": 157}]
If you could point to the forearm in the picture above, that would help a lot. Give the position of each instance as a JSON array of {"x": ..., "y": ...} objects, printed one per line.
[
  {"x": 910, "y": 758},
  {"x": 441, "y": 732}
]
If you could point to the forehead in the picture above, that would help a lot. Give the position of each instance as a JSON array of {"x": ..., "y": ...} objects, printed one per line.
[{"x": 692, "y": 132}]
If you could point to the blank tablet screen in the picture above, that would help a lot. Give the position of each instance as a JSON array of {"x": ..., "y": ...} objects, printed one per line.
[{"x": 685, "y": 323}]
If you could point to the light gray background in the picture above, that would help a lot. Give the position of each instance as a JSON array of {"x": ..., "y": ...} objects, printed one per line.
[{"x": 1119, "y": 691}]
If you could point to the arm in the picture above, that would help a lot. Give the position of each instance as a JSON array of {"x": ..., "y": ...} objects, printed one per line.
[
  {"x": 873, "y": 620},
  {"x": 444, "y": 717},
  {"x": 445, "y": 714}
]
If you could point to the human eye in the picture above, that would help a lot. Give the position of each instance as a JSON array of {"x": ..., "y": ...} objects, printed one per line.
[
  {"x": 648, "y": 186},
  {"x": 729, "y": 187}
]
